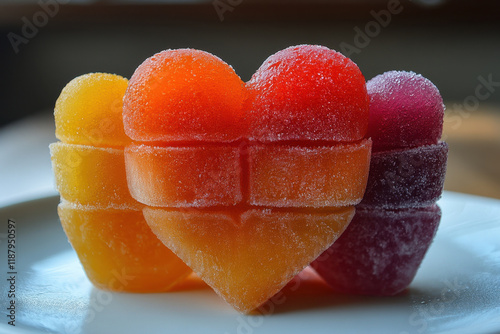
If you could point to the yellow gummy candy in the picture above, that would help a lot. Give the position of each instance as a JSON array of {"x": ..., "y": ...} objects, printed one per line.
[
  {"x": 89, "y": 175},
  {"x": 89, "y": 111},
  {"x": 118, "y": 250}
]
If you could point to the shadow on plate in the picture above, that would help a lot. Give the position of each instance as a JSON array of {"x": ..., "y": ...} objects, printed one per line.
[{"x": 309, "y": 292}]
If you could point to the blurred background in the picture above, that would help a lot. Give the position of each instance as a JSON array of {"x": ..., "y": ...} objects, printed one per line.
[{"x": 454, "y": 43}]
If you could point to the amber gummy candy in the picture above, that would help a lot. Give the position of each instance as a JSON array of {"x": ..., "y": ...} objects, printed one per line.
[{"x": 103, "y": 222}]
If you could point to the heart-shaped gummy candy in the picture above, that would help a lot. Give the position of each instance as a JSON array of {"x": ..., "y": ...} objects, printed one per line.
[{"x": 247, "y": 183}]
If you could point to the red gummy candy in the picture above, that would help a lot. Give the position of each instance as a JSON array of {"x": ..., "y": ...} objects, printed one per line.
[{"x": 308, "y": 92}]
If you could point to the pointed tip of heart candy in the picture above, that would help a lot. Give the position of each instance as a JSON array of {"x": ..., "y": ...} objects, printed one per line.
[{"x": 247, "y": 257}]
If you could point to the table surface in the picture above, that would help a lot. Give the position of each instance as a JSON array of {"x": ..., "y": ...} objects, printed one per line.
[
  {"x": 474, "y": 156},
  {"x": 473, "y": 163}
]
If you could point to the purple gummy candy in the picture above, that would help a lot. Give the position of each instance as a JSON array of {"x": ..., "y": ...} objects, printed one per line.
[
  {"x": 406, "y": 110},
  {"x": 380, "y": 251},
  {"x": 406, "y": 178}
]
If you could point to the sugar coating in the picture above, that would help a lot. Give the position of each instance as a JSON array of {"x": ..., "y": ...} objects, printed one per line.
[
  {"x": 323, "y": 176},
  {"x": 177, "y": 83},
  {"x": 112, "y": 242},
  {"x": 102, "y": 221},
  {"x": 88, "y": 175},
  {"x": 271, "y": 175},
  {"x": 406, "y": 110},
  {"x": 380, "y": 251},
  {"x": 406, "y": 178},
  {"x": 184, "y": 95},
  {"x": 89, "y": 111},
  {"x": 184, "y": 176},
  {"x": 207, "y": 160},
  {"x": 247, "y": 257},
  {"x": 308, "y": 92}
]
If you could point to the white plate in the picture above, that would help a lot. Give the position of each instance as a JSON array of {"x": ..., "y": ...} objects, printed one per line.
[{"x": 457, "y": 289}]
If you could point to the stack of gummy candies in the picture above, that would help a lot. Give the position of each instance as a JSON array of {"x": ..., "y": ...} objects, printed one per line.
[
  {"x": 246, "y": 183},
  {"x": 395, "y": 223},
  {"x": 104, "y": 224}
]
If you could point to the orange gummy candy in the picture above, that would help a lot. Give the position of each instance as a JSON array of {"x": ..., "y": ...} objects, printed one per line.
[
  {"x": 184, "y": 176},
  {"x": 336, "y": 175},
  {"x": 245, "y": 208},
  {"x": 184, "y": 95},
  {"x": 247, "y": 256}
]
